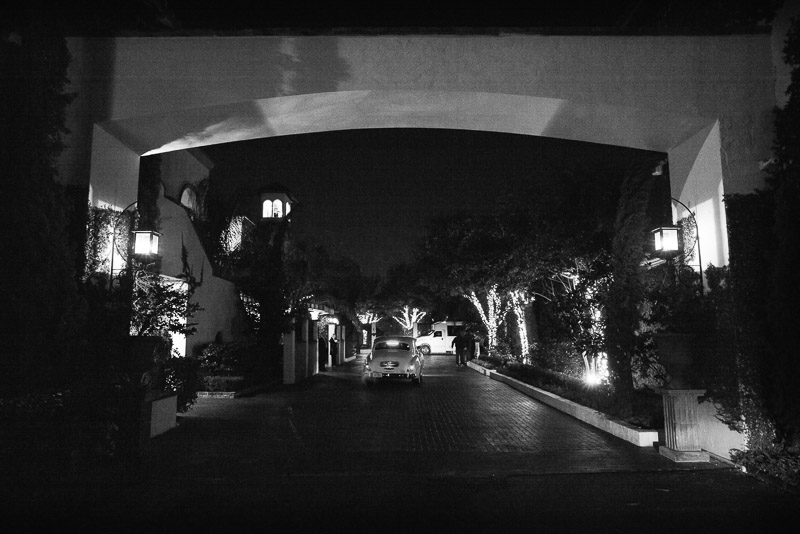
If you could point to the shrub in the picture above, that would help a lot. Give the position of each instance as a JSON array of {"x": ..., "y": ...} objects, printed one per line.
[
  {"x": 779, "y": 462},
  {"x": 560, "y": 356},
  {"x": 540, "y": 376},
  {"x": 647, "y": 371},
  {"x": 182, "y": 375},
  {"x": 232, "y": 358},
  {"x": 645, "y": 410},
  {"x": 493, "y": 359},
  {"x": 223, "y": 383},
  {"x": 485, "y": 363}
]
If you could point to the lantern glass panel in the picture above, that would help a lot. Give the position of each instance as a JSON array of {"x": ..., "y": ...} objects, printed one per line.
[
  {"x": 146, "y": 243},
  {"x": 666, "y": 238}
]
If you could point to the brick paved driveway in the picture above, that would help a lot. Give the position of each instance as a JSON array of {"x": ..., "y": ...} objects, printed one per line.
[
  {"x": 457, "y": 421},
  {"x": 461, "y": 451}
]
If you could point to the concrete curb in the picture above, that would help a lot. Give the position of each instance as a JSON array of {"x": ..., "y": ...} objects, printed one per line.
[
  {"x": 236, "y": 394},
  {"x": 631, "y": 434}
]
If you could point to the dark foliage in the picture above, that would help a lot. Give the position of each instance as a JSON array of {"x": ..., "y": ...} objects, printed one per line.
[
  {"x": 561, "y": 355},
  {"x": 42, "y": 315},
  {"x": 783, "y": 372},
  {"x": 223, "y": 383},
  {"x": 149, "y": 191},
  {"x": 233, "y": 359},
  {"x": 626, "y": 293},
  {"x": 779, "y": 464},
  {"x": 182, "y": 375},
  {"x": 259, "y": 270},
  {"x": 735, "y": 367}
]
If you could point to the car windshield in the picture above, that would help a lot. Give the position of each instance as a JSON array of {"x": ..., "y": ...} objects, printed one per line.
[{"x": 392, "y": 344}]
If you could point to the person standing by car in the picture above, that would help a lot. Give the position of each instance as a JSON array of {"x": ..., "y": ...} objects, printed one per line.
[
  {"x": 460, "y": 345},
  {"x": 322, "y": 347}
]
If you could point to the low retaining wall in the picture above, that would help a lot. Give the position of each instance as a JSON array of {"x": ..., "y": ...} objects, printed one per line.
[
  {"x": 637, "y": 436},
  {"x": 163, "y": 411}
]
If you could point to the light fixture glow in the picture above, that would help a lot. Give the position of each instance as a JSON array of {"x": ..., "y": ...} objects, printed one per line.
[
  {"x": 592, "y": 379},
  {"x": 596, "y": 369},
  {"x": 666, "y": 238},
  {"x": 146, "y": 243}
]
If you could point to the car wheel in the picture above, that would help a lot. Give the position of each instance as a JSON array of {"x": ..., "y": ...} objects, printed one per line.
[{"x": 425, "y": 349}]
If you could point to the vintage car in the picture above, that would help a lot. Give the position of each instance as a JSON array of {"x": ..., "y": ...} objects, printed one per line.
[{"x": 394, "y": 357}]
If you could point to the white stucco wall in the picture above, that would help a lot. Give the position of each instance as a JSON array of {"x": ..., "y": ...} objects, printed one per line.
[
  {"x": 222, "y": 310},
  {"x": 715, "y": 436},
  {"x": 114, "y": 172},
  {"x": 181, "y": 168}
]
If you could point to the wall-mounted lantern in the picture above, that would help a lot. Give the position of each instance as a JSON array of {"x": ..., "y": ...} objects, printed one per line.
[
  {"x": 666, "y": 240},
  {"x": 146, "y": 243},
  {"x": 667, "y": 244}
]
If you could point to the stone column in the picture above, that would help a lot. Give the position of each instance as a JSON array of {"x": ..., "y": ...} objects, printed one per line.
[
  {"x": 288, "y": 356},
  {"x": 339, "y": 345},
  {"x": 681, "y": 425},
  {"x": 301, "y": 356}
]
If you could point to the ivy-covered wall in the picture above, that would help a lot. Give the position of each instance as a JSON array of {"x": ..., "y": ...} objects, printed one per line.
[{"x": 736, "y": 375}]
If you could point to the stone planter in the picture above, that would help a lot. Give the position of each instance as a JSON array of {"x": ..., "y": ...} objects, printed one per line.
[
  {"x": 681, "y": 424},
  {"x": 637, "y": 436}
]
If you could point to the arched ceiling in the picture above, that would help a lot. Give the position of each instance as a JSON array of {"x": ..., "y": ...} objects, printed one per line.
[{"x": 321, "y": 112}]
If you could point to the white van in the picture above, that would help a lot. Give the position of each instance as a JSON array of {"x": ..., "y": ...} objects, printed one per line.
[{"x": 440, "y": 339}]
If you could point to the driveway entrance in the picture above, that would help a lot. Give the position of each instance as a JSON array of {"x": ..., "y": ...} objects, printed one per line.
[{"x": 459, "y": 451}]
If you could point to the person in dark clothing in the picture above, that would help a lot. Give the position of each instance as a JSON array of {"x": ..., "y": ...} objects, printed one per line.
[
  {"x": 334, "y": 350},
  {"x": 322, "y": 346},
  {"x": 460, "y": 345},
  {"x": 469, "y": 349}
]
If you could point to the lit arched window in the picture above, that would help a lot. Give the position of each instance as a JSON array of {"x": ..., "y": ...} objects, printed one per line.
[
  {"x": 288, "y": 208},
  {"x": 266, "y": 209},
  {"x": 189, "y": 198},
  {"x": 277, "y": 209}
]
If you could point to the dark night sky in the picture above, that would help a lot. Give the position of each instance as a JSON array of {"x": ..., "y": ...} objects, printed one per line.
[
  {"x": 368, "y": 194},
  {"x": 257, "y": 16},
  {"x": 377, "y": 17}
]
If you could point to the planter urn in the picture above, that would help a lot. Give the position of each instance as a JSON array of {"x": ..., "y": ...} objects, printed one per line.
[
  {"x": 675, "y": 354},
  {"x": 682, "y": 431}
]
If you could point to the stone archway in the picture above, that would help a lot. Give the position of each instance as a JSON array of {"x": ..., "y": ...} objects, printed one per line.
[
  {"x": 691, "y": 142},
  {"x": 704, "y": 100}
]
